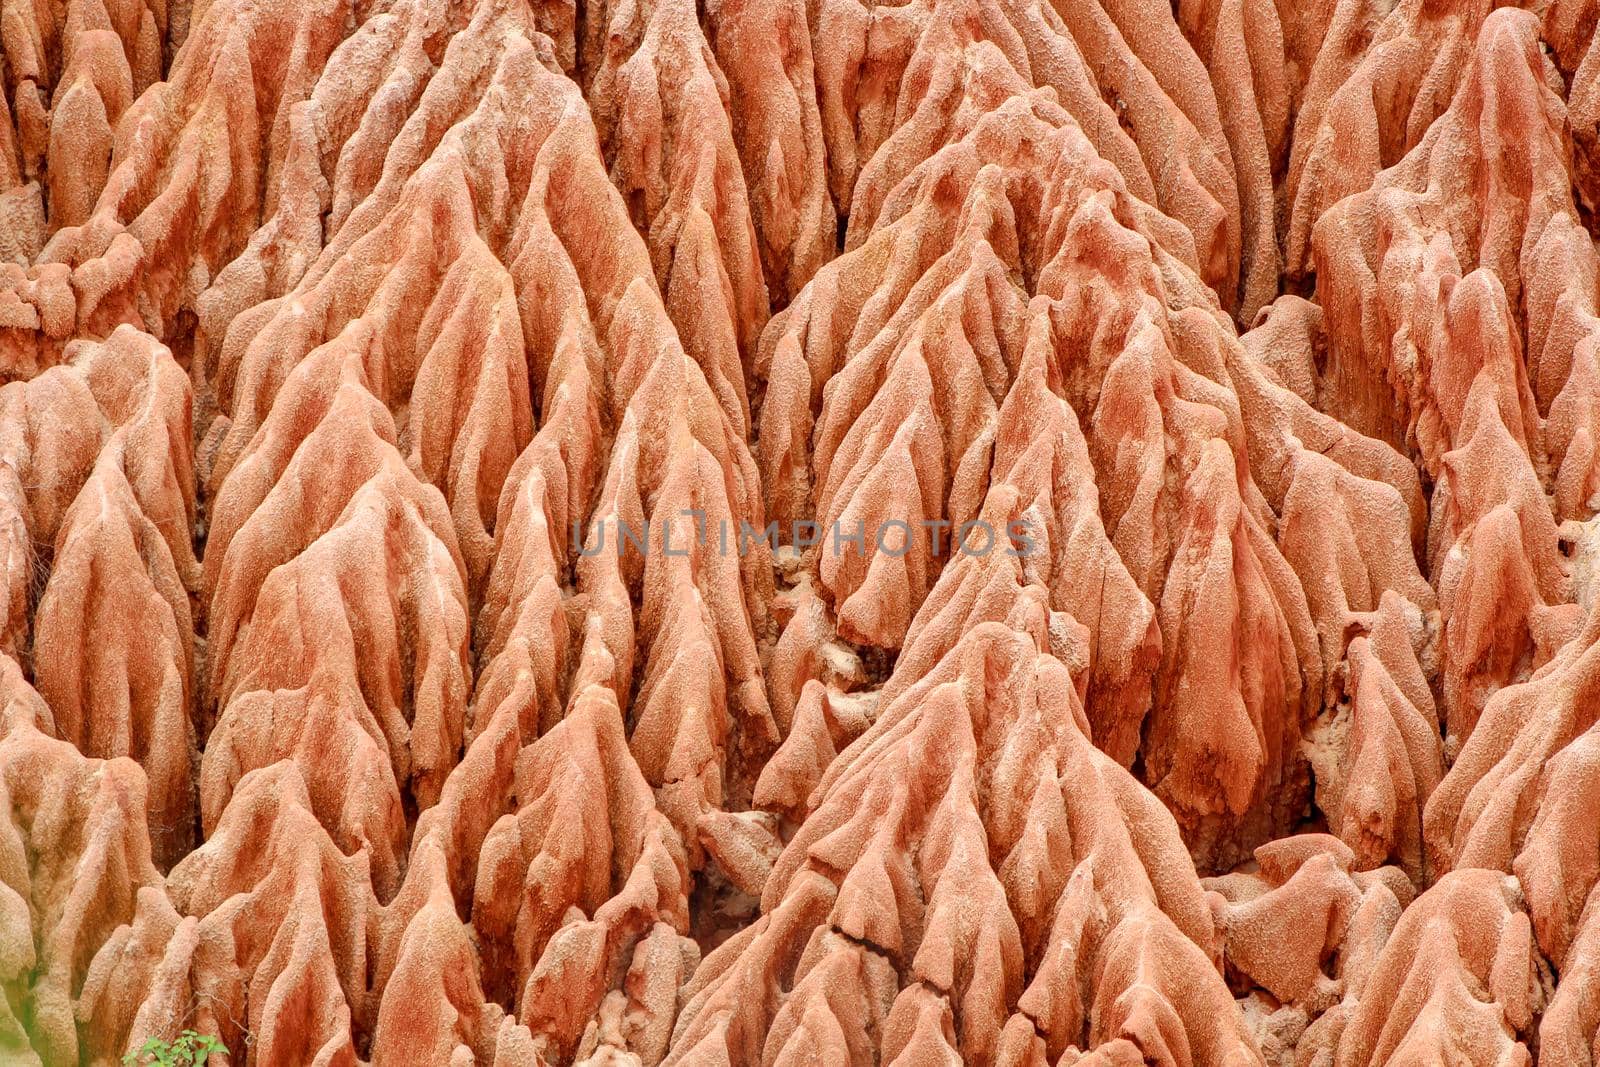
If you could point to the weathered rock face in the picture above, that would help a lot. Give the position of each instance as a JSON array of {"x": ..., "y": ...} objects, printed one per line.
[{"x": 1010, "y": 532}]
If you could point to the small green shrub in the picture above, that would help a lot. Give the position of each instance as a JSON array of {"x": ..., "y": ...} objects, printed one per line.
[{"x": 190, "y": 1050}]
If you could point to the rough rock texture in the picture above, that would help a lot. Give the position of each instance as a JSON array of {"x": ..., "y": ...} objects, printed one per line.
[{"x": 1016, "y": 532}]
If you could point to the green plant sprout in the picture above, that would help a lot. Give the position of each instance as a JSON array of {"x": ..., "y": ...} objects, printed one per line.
[{"x": 190, "y": 1050}]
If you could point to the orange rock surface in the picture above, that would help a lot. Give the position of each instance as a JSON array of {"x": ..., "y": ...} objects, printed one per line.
[{"x": 1016, "y": 532}]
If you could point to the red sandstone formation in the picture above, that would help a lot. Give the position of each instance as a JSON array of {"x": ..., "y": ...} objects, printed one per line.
[
  {"x": 1009, "y": 532},
  {"x": 77, "y": 857}
]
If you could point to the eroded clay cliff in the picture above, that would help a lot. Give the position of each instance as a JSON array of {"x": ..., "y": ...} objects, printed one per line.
[{"x": 1009, "y": 532}]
